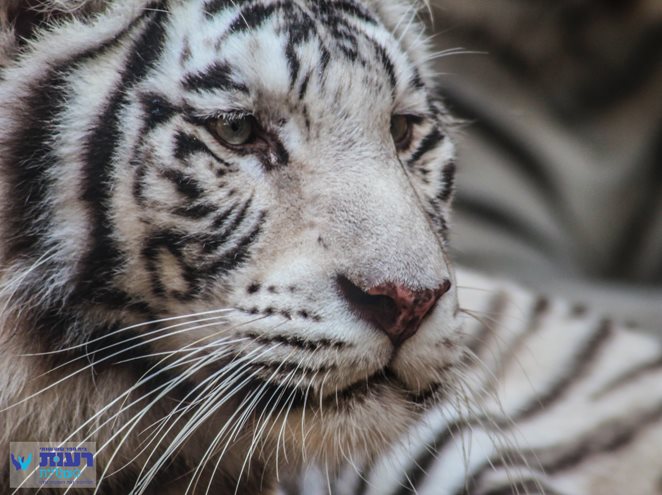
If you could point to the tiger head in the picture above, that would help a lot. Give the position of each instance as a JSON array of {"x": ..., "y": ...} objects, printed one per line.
[{"x": 267, "y": 183}]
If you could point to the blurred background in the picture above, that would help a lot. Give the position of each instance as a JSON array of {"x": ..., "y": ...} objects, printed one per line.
[{"x": 560, "y": 159}]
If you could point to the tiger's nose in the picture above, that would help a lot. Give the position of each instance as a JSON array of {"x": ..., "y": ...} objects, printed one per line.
[{"x": 396, "y": 310}]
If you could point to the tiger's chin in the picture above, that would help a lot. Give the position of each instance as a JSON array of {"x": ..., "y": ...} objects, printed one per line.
[{"x": 357, "y": 423}]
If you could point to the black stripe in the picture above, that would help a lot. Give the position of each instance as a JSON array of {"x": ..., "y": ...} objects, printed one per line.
[
  {"x": 238, "y": 255},
  {"x": 429, "y": 142},
  {"x": 492, "y": 319},
  {"x": 171, "y": 241},
  {"x": 448, "y": 182},
  {"x": 628, "y": 378},
  {"x": 218, "y": 239},
  {"x": 355, "y": 10},
  {"x": 292, "y": 58},
  {"x": 104, "y": 257},
  {"x": 213, "y": 7},
  {"x": 30, "y": 156},
  {"x": 30, "y": 152},
  {"x": 218, "y": 76},
  {"x": 535, "y": 319},
  {"x": 575, "y": 371},
  {"x": 220, "y": 220},
  {"x": 387, "y": 63},
  {"x": 286, "y": 367},
  {"x": 416, "y": 80},
  {"x": 605, "y": 437},
  {"x": 253, "y": 16},
  {"x": 424, "y": 461},
  {"x": 311, "y": 345},
  {"x": 185, "y": 184},
  {"x": 304, "y": 86},
  {"x": 301, "y": 29},
  {"x": 187, "y": 144},
  {"x": 195, "y": 211},
  {"x": 158, "y": 110}
]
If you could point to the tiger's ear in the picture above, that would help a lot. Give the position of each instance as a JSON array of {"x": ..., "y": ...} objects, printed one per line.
[{"x": 20, "y": 20}]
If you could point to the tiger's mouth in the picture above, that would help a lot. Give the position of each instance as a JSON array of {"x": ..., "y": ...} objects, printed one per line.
[
  {"x": 369, "y": 388},
  {"x": 386, "y": 378}
]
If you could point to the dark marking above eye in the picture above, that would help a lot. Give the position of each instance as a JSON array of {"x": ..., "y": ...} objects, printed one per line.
[
  {"x": 253, "y": 288},
  {"x": 157, "y": 110},
  {"x": 387, "y": 63},
  {"x": 218, "y": 76}
]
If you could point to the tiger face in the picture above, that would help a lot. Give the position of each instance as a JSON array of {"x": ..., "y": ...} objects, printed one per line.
[{"x": 269, "y": 182}]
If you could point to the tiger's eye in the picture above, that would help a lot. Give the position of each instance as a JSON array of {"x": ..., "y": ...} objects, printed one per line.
[
  {"x": 235, "y": 132},
  {"x": 401, "y": 131}
]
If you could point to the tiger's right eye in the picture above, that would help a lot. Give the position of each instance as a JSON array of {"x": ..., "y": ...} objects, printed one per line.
[
  {"x": 401, "y": 131},
  {"x": 235, "y": 131}
]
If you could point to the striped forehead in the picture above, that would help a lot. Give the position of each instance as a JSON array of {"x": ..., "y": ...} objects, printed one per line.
[{"x": 236, "y": 49}]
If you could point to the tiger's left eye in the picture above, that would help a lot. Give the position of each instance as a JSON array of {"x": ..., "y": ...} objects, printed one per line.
[
  {"x": 235, "y": 132},
  {"x": 401, "y": 131}
]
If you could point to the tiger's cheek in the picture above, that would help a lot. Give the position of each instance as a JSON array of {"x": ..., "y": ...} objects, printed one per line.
[{"x": 188, "y": 219}]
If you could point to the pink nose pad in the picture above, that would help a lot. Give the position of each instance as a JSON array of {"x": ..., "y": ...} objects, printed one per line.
[{"x": 396, "y": 310}]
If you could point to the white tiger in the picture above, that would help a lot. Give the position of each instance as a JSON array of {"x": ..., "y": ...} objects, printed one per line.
[{"x": 224, "y": 258}]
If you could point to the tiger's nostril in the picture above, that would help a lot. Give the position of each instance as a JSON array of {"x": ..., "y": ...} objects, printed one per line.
[{"x": 396, "y": 310}]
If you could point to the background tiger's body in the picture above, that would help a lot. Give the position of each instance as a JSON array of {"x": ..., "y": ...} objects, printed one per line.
[
  {"x": 211, "y": 306},
  {"x": 553, "y": 400}
]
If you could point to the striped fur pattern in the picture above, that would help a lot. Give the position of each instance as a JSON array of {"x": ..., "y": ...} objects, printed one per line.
[
  {"x": 174, "y": 297},
  {"x": 173, "y": 294},
  {"x": 550, "y": 399}
]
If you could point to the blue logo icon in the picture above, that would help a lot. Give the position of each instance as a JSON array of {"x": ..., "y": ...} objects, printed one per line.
[{"x": 20, "y": 462}]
